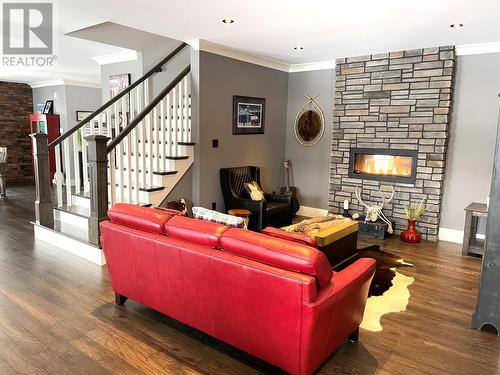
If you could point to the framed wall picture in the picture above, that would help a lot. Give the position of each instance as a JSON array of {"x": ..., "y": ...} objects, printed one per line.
[
  {"x": 248, "y": 115},
  {"x": 48, "y": 109},
  {"x": 82, "y": 115}
]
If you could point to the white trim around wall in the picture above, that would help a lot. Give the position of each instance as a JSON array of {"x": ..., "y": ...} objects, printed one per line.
[
  {"x": 218, "y": 49},
  {"x": 454, "y": 235},
  {"x": 477, "y": 49},
  {"x": 113, "y": 58},
  {"x": 67, "y": 82}
]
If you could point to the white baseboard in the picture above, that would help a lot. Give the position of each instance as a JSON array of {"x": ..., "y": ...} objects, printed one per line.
[
  {"x": 311, "y": 211},
  {"x": 71, "y": 245},
  {"x": 453, "y": 235}
]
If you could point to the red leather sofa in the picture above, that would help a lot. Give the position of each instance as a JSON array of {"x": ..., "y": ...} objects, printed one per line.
[{"x": 275, "y": 299}]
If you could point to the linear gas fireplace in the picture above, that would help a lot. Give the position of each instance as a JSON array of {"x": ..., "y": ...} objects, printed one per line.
[{"x": 383, "y": 165}]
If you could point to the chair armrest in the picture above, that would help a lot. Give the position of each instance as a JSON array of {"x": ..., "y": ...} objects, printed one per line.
[
  {"x": 249, "y": 204},
  {"x": 278, "y": 198}
]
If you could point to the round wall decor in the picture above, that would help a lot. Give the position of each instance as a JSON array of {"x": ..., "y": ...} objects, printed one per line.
[{"x": 310, "y": 123}]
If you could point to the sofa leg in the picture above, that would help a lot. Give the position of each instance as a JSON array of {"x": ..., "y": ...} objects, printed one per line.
[
  {"x": 119, "y": 299},
  {"x": 353, "y": 337}
]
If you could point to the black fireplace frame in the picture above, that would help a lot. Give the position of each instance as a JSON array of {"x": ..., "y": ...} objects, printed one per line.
[{"x": 381, "y": 151}]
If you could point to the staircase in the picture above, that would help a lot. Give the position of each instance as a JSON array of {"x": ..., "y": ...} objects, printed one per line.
[{"x": 132, "y": 149}]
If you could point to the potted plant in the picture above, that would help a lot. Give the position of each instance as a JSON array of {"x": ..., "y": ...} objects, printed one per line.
[{"x": 413, "y": 214}]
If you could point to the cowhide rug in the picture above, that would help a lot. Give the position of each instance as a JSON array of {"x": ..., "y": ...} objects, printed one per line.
[{"x": 389, "y": 289}]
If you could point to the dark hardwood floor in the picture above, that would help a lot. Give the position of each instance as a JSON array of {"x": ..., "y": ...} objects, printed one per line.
[{"x": 57, "y": 316}]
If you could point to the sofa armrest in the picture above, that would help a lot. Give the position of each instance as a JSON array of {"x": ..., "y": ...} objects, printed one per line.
[{"x": 336, "y": 313}]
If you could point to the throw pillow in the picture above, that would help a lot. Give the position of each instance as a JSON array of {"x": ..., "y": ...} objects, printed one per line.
[
  {"x": 253, "y": 189},
  {"x": 217, "y": 217}
]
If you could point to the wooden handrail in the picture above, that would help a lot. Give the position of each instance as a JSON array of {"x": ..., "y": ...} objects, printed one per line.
[
  {"x": 125, "y": 131},
  {"x": 156, "y": 69}
]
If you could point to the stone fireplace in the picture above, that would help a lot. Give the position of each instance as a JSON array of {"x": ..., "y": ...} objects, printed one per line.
[{"x": 391, "y": 119}]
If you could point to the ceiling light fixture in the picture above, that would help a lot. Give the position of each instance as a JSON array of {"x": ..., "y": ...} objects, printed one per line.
[
  {"x": 298, "y": 48},
  {"x": 227, "y": 20},
  {"x": 456, "y": 25}
]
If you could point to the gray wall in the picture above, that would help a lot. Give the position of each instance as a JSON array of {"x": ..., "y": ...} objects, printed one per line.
[
  {"x": 134, "y": 68},
  {"x": 311, "y": 165},
  {"x": 472, "y": 136},
  {"x": 219, "y": 79},
  {"x": 42, "y": 94}
]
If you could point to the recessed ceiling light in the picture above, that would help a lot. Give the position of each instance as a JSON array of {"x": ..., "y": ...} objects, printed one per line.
[
  {"x": 227, "y": 20},
  {"x": 298, "y": 48},
  {"x": 456, "y": 25}
]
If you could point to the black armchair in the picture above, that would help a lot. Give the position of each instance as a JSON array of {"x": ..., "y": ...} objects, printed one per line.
[{"x": 275, "y": 210}]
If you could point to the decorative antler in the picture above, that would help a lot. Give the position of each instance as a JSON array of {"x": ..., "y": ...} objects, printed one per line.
[
  {"x": 358, "y": 196},
  {"x": 382, "y": 194}
]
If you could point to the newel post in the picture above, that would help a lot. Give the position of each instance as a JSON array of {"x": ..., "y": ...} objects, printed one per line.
[
  {"x": 44, "y": 214},
  {"x": 98, "y": 175}
]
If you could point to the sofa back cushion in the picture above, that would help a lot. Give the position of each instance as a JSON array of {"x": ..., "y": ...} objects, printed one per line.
[
  {"x": 198, "y": 231},
  {"x": 145, "y": 218},
  {"x": 291, "y": 236},
  {"x": 278, "y": 252}
]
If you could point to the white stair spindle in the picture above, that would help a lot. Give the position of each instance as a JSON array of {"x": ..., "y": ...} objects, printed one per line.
[
  {"x": 156, "y": 125},
  {"x": 150, "y": 148},
  {"x": 111, "y": 162},
  {"x": 136, "y": 151},
  {"x": 168, "y": 122},
  {"x": 76, "y": 158},
  {"x": 189, "y": 107},
  {"x": 59, "y": 176},
  {"x": 125, "y": 151},
  {"x": 175, "y": 122},
  {"x": 86, "y": 183},
  {"x": 163, "y": 137},
  {"x": 67, "y": 168},
  {"x": 119, "y": 157}
]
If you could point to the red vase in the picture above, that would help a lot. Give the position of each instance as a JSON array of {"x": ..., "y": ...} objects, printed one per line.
[{"x": 411, "y": 234}]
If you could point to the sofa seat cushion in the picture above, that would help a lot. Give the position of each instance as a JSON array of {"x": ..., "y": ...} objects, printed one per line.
[
  {"x": 301, "y": 238},
  {"x": 198, "y": 231},
  {"x": 277, "y": 209},
  {"x": 145, "y": 218},
  {"x": 278, "y": 252}
]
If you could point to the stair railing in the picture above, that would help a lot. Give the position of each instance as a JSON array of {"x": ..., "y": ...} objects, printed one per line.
[
  {"x": 72, "y": 147},
  {"x": 143, "y": 147}
]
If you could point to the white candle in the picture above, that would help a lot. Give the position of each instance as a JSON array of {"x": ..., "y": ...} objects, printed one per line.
[{"x": 346, "y": 204}]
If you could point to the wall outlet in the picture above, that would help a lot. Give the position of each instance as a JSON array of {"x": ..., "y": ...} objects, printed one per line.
[
  {"x": 215, "y": 143},
  {"x": 214, "y": 206}
]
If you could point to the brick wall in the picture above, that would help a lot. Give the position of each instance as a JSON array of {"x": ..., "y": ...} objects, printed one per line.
[
  {"x": 397, "y": 100},
  {"x": 16, "y": 104}
]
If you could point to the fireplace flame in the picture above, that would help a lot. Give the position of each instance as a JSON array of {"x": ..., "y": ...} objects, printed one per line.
[{"x": 384, "y": 165}]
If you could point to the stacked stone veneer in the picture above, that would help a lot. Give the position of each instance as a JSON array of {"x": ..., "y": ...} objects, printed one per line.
[{"x": 397, "y": 100}]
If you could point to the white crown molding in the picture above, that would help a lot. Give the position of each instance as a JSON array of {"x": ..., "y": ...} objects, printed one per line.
[
  {"x": 64, "y": 82},
  {"x": 307, "y": 67},
  {"x": 478, "y": 48},
  {"x": 206, "y": 46},
  {"x": 129, "y": 55}
]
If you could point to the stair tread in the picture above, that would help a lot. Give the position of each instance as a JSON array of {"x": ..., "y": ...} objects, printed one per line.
[
  {"x": 179, "y": 157},
  {"x": 75, "y": 210},
  {"x": 186, "y": 143},
  {"x": 165, "y": 173}
]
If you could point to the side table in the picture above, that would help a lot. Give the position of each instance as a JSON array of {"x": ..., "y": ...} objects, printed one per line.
[
  {"x": 241, "y": 212},
  {"x": 472, "y": 245}
]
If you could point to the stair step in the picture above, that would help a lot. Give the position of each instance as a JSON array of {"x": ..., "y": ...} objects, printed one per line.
[
  {"x": 148, "y": 189},
  {"x": 165, "y": 173},
  {"x": 75, "y": 210},
  {"x": 181, "y": 157},
  {"x": 160, "y": 173},
  {"x": 186, "y": 143}
]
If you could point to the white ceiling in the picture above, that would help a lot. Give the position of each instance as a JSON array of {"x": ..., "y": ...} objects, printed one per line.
[{"x": 270, "y": 29}]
